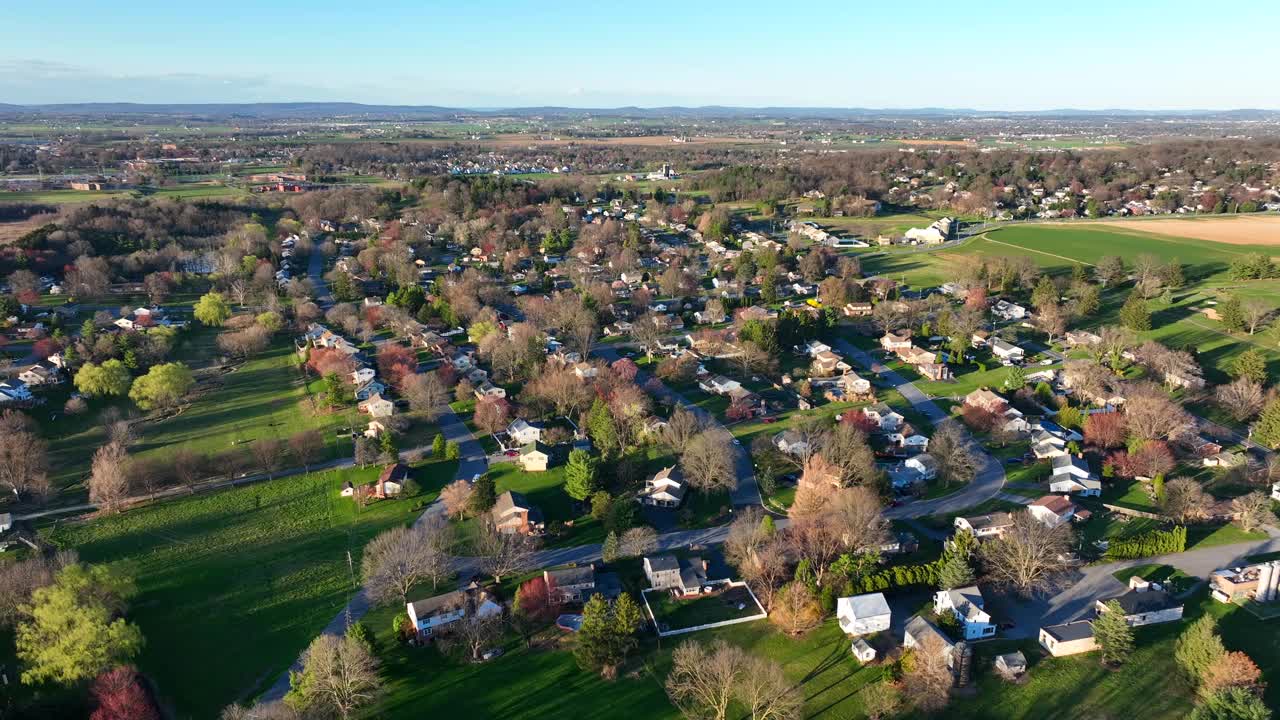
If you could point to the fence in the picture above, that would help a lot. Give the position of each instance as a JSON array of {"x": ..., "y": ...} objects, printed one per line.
[
  {"x": 1132, "y": 513},
  {"x": 707, "y": 626}
]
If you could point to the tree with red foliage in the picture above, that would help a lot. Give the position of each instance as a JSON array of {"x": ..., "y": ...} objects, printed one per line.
[
  {"x": 976, "y": 298},
  {"x": 28, "y": 297},
  {"x": 373, "y": 315},
  {"x": 492, "y": 414},
  {"x": 1152, "y": 459},
  {"x": 44, "y": 347},
  {"x": 323, "y": 361},
  {"x": 739, "y": 411},
  {"x": 395, "y": 362},
  {"x": 448, "y": 376},
  {"x": 979, "y": 419},
  {"x": 121, "y": 695},
  {"x": 859, "y": 420},
  {"x": 1105, "y": 430},
  {"x": 626, "y": 369},
  {"x": 538, "y": 600}
]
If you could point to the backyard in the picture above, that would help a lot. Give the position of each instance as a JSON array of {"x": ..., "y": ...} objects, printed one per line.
[{"x": 672, "y": 613}]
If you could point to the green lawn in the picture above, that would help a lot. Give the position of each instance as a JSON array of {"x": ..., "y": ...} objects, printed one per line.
[
  {"x": 674, "y": 614},
  {"x": 546, "y": 491},
  {"x": 234, "y": 584}
]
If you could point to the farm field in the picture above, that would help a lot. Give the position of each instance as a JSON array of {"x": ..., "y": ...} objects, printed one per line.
[
  {"x": 234, "y": 584},
  {"x": 1251, "y": 229}
]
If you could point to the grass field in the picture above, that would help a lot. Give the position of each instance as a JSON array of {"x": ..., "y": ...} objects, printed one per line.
[
  {"x": 674, "y": 614},
  {"x": 546, "y": 491},
  {"x": 234, "y": 584}
]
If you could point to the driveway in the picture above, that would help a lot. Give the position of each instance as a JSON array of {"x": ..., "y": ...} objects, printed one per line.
[
  {"x": 315, "y": 270},
  {"x": 986, "y": 483}
]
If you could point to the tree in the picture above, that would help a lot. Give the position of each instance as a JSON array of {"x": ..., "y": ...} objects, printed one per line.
[
  {"x": 339, "y": 675},
  {"x": 1233, "y": 670},
  {"x": 1266, "y": 431},
  {"x": 267, "y": 453},
  {"x": 109, "y": 478},
  {"x": 1029, "y": 556},
  {"x": 1199, "y": 648},
  {"x": 1231, "y": 314},
  {"x": 955, "y": 572},
  {"x": 1242, "y": 398},
  {"x": 1113, "y": 634},
  {"x": 767, "y": 693},
  {"x": 1151, "y": 415},
  {"x": 1252, "y": 510},
  {"x": 306, "y": 447},
  {"x": 602, "y": 641},
  {"x": 1185, "y": 500},
  {"x": 927, "y": 678},
  {"x": 121, "y": 694},
  {"x": 1250, "y": 364},
  {"x": 881, "y": 699},
  {"x": 795, "y": 609},
  {"x": 109, "y": 379},
  {"x": 477, "y": 633},
  {"x": 1232, "y": 704},
  {"x": 212, "y": 309},
  {"x": 425, "y": 393},
  {"x": 492, "y": 415},
  {"x": 23, "y": 455},
  {"x": 456, "y": 497},
  {"x": 580, "y": 475},
  {"x": 401, "y": 558},
  {"x": 956, "y": 459},
  {"x": 538, "y": 600},
  {"x": 72, "y": 630},
  {"x": 638, "y": 542},
  {"x": 703, "y": 679},
  {"x": 1135, "y": 314},
  {"x": 484, "y": 493},
  {"x": 437, "y": 446},
  {"x": 502, "y": 554},
  {"x": 396, "y": 362},
  {"x": 162, "y": 386},
  {"x": 1110, "y": 270},
  {"x": 707, "y": 462},
  {"x": 609, "y": 550},
  {"x": 1105, "y": 430}
]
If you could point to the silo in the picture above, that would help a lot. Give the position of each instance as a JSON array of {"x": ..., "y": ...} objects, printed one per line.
[
  {"x": 1274, "y": 592},
  {"x": 1263, "y": 593}
]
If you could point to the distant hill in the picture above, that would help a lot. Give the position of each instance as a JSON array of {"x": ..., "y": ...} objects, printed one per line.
[{"x": 321, "y": 110}]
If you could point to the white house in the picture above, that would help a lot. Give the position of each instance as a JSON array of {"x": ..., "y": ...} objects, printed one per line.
[
  {"x": 1007, "y": 351},
  {"x": 791, "y": 443},
  {"x": 1146, "y": 603},
  {"x": 363, "y": 375},
  {"x": 1275, "y": 492},
  {"x": 884, "y": 416},
  {"x": 855, "y": 384},
  {"x": 924, "y": 465},
  {"x": 719, "y": 385},
  {"x": 432, "y": 616},
  {"x": 1006, "y": 310},
  {"x": 863, "y": 614},
  {"x": 1071, "y": 475},
  {"x": 377, "y": 406},
  {"x": 813, "y": 347},
  {"x": 665, "y": 489},
  {"x": 862, "y": 650},
  {"x": 985, "y": 526},
  {"x": 966, "y": 605},
  {"x": 1053, "y": 510},
  {"x": 920, "y": 632},
  {"x": 523, "y": 432}
]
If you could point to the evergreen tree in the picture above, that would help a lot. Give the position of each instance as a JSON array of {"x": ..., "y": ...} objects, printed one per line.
[
  {"x": 1267, "y": 430},
  {"x": 1233, "y": 703},
  {"x": 628, "y": 619},
  {"x": 955, "y": 572},
  {"x": 437, "y": 447},
  {"x": 580, "y": 475},
  {"x": 484, "y": 493},
  {"x": 1199, "y": 648},
  {"x": 609, "y": 552},
  {"x": 1250, "y": 364},
  {"x": 1113, "y": 634},
  {"x": 600, "y": 426},
  {"x": 1231, "y": 314},
  {"x": 1045, "y": 293},
  {"x": 767, "y": 526},
  {"x": 599, "y": 646},
  {"x": 1135, "y": 314}
]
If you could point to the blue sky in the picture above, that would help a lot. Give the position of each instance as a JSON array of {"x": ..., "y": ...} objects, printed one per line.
[{"x": 495, "y": 53}]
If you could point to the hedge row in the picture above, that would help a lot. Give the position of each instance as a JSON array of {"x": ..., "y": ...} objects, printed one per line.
[{"x": 1157, "y": 542}]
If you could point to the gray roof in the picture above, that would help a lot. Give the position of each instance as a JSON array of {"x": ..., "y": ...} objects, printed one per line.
[
  {"x": 659, "y": 563},
  {"x": 433, "y": 605},
  {"x": 919, "y": 628},
  {"x": 1134, "y": 602},
  {"x": 1067, "y": 632},
  {"x": 564, "y": 577},
  {"x": 864, "y": 606}
]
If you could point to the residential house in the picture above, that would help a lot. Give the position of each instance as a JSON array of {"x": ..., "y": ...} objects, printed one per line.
[
  {"x": 377, "y": 406},
  {"x": 535, "y": 456},
  {"x": 893, "y": 342},
  {"x": 719, "y": 385},
  {"x": 572, "y": 584},
  {"x": 884, "y": 417},
  {"x": 1145, "y": 603},
  {"x": 985, "y": 526},
  {"x": 920, "y": 633},
  {"x": 854, "y": 384},
  {"x": 433, "y": 616},
  {"x": 937, "y": 372},
  {"x": 814, "y": 348},
  {"x": 512, "y": 513},
  {"x": 863, "y": 614},
  {"x": 389, "y": 484},
  {"x": 1006, "y": 310},
  {"x": 489, "y": 390},
  {"x": 858, "y": 309},
  {"x": 1070, "y": 638},
  {"x": 925, "y": 466},
  {"x": 665, "y": 489},
  {"x": 369, "y": 389},
  {"x": 1007, "y": 351},
  {"x": 585, "y": 371},
  {"x": 828, "y": 363},
  {"x": 14, "y": 392},
  {"x": 1080, "y": 338},
  {"x": 40, "y": 374},
  {"x": 966, "y": 605},
  {"x": 362, "y": 375},
  {"x": 1071, "y": 475},
  {"x": 918, "y": 356},
  {"x": 791, "y": 443},
  {"x": 862, "y": 651},
  {"x": 522, "y": 432},
  {"x": 1053, "y": 510},
  {"x": 681, "y": 576}
]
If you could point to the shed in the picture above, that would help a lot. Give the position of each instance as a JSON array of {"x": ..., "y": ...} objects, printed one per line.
[
  {"x": 862, "y": 650},
  {"x": 1011, "y": 665}
]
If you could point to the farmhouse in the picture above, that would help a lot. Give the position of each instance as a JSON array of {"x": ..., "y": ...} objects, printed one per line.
[{"x": 863, "y": 614}]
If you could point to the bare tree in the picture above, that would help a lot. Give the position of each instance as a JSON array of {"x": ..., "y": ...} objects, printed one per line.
[
  {"x": 188, "y": 466},
  {"x": 1030, "y": 556},
  {"x": 1242, "y": 398},
  {"x": 682, "y": 426},
  {"x": 856, "y": 514},
  {"x": 1256, "y": 313},
  {"x": 707, "y": 462},
  {"x": 109, "y": 479},
  {"x": 1185, "y": 500},
  {"x": 881, "y": 699},
  {"x": 425, "y": 393},
  {"x": 769, "y": 571},
  {"x": 23, "y": 454},
  {"x": 1151, "y": 415},
  {"x": 307, "y": 447},
  {"x": 795, "y": 610},
  {"x": 339, "y": 675},
  {"x": 19, "y": 579},
  {"x": 400, "y": 558},
  {"x": 767, "y": 693},
  {"x": 477, "y": 634},
  {"x": 647, "y": 331},
  {"x": 267, "y": 453},
  {"x": 1252, "y": 511},
  {"x": 638, "y": 542},
  {"x": 846, "y": 448},
  {"x": 703, "y": 679},
  {"x": 746, "y": 537},
  {"x": 456, "y": 496},
  {"x": 503, "y": 554},
  {"x": 927, "y": 681},
  {"x": 954, "y": 453}
]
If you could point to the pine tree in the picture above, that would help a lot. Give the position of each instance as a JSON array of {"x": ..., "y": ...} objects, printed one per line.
[
  {"x": 1113, "y": 634},
  {"x": 580, "y": 475},
  {"x": 767, "y": 526},
  {"x": 599, "y": 644},
  {"x": 609, "y": 552},
  {"x": 1199, "y": 647},
  {"x": 437, "y": 447},
  {"x": 484, "y": 493},
  {"x": 1045, "y": 292},
  {"x": 1250, "y": 364},
  {"x": 600, "y": 426},
  {"x": 1267, "y": 430},
  {"x": 1231, "y": 314},
  {"x": 628, "y": 619},
  {"x": 955, "y": 573},
  {"x": 1135, "y": 314}
]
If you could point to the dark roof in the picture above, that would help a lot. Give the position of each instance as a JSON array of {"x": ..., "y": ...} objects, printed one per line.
[
  {"x": 663, "y": 562},
  {"x": 394, "y": 473},
  {"x": 1134, "y": 602},
  {"x": 1067, "y": 632},
  {"x": 583, "y": 575},
  {"x": 433, "y": 605}
]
